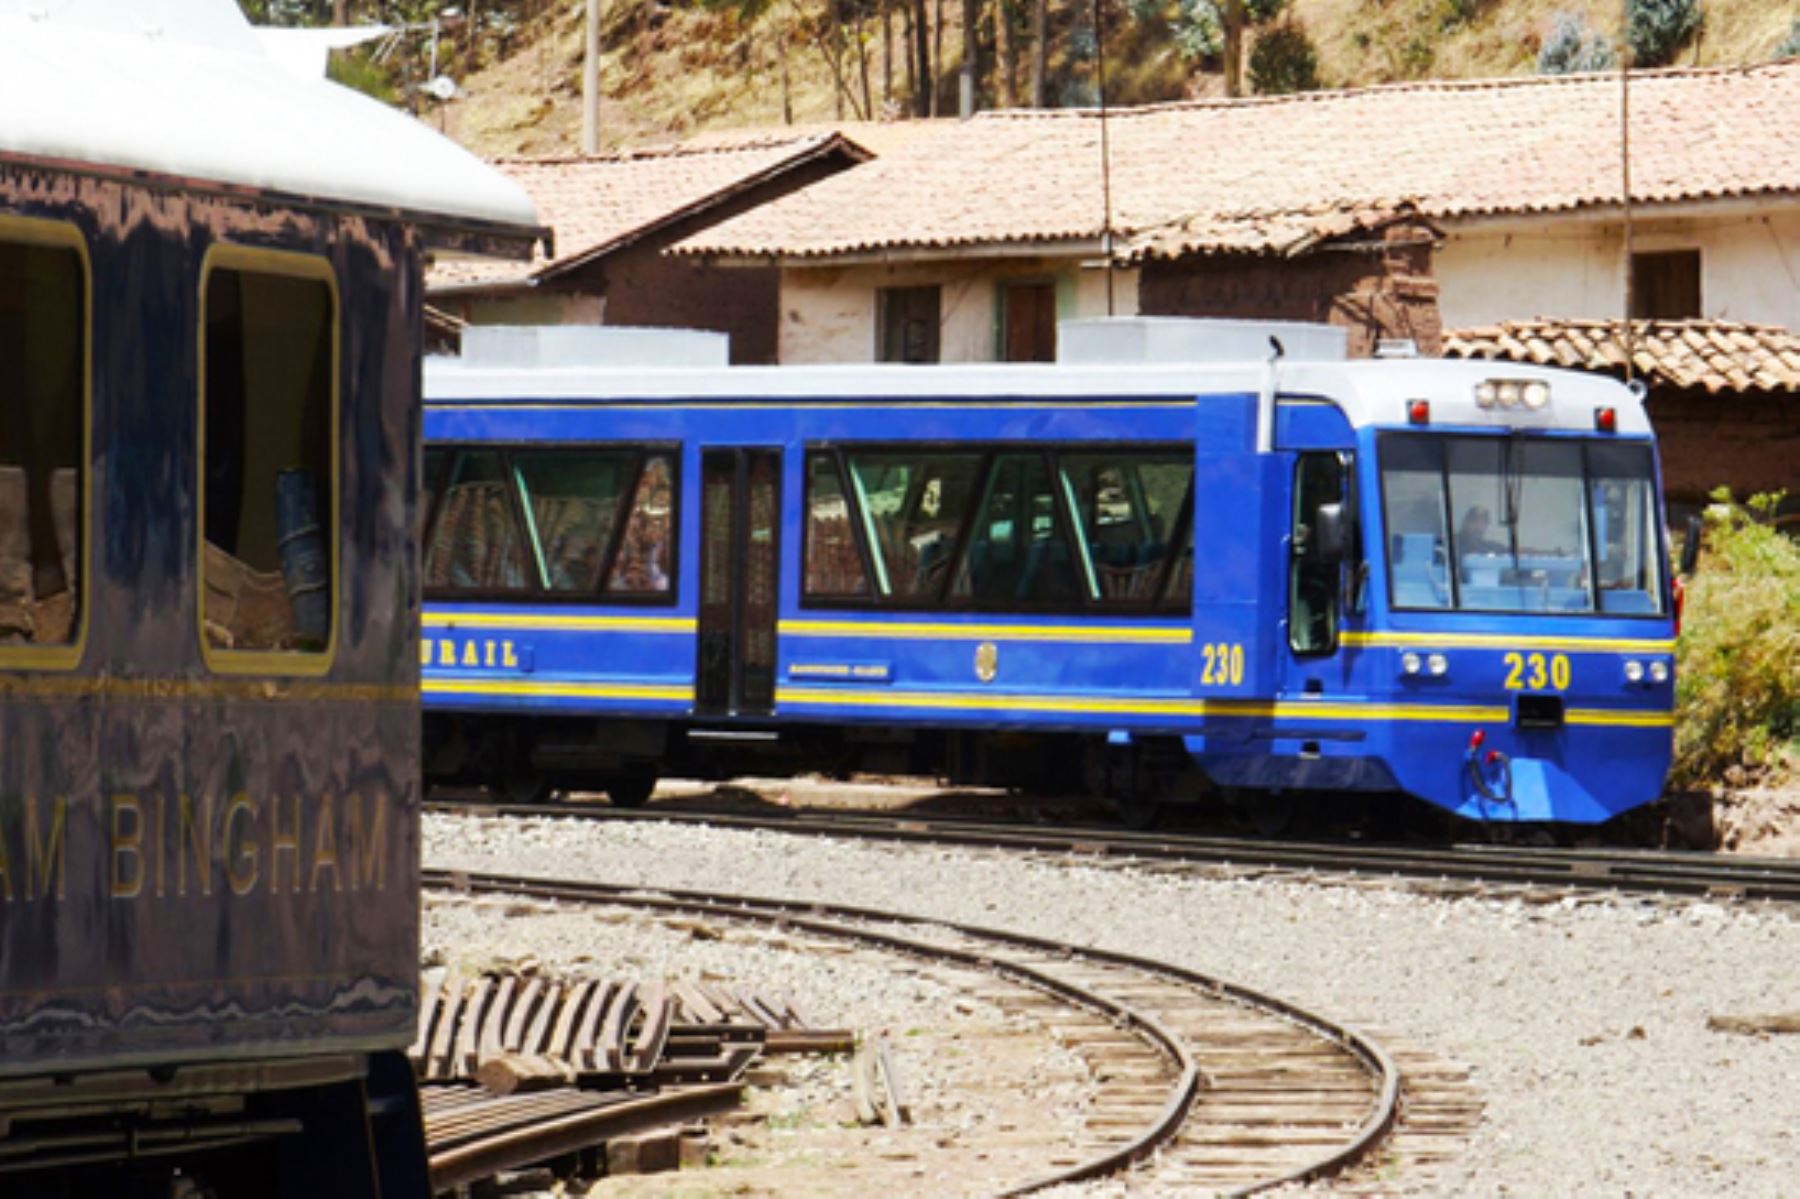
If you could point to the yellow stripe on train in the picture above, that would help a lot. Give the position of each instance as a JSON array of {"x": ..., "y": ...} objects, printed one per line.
[
  {"x": 558, "y": 622},
  {"x": 1595, "y": 645},
  {"x": 932, "y": 631},
  {"x": 534, "y": 689},
  {"x": 1157, "y": 706}
]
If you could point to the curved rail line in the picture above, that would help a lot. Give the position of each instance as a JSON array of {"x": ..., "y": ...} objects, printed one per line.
[
  {"x": 1644, "y": 872},
  {"x": 1328, "y": 1095}
]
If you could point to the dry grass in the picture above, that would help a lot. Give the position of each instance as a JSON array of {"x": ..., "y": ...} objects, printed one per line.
[
  {"x": 1361, "y": 42},
  {"x": 676, "y": 70}
]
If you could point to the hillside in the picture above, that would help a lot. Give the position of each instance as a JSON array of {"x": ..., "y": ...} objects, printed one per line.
[{"x": 673, "y": 69}]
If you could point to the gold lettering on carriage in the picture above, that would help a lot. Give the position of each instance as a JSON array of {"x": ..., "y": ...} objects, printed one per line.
[
  {"x": 476, "y": 653},
  {"x": 160, "y": 846}
]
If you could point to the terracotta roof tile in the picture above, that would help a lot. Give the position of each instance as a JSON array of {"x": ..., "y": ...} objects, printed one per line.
[
  {"x": 1714, "y": 356},
  {"x": 1275, "y": 175},
  {"x": 598, "y": 203}
]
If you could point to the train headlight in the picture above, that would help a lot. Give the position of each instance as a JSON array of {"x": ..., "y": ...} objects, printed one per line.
[
  {"x": 1659, "y": 671},
  {"x": 1410, "y": 663},
  {"x": 1438, "y": 665},
  {"x": 1512, "y": 393},
  {"x": 1634, "y": 671}
]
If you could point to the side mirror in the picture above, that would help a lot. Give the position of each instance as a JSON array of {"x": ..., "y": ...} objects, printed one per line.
[
  {"x": 1690, "y": 546},
  {"x": 1329, "y": 542}
]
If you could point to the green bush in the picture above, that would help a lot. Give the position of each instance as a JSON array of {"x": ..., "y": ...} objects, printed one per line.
[
  {"x": 1790, "y": 46},
  {"x": 1738, "y": 660},
  {"x": 1656, "y": 29},
  {"x": 1283, "y": 61}
]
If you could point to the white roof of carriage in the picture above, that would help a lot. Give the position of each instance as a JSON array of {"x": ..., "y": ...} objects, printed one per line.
[
  {"x": 565, "y": 367},
  {"x": 184, "y": 89}
]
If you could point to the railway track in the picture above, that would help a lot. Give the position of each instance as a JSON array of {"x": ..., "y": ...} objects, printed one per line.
[
  {"x": 1203, "y": 1086},
  {"x": 1445, "y": 868}
]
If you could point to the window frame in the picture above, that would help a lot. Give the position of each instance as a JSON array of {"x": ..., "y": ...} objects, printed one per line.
[
  {"x": 1006, "y": 288},
  {"x": 1455, "y": 607},
  {"x": 885, "y": 300},
  {"x": 288, "y": 264},
  {"x": 1653, "y": 272},
  {"x": 1156, "y": 605},
  {"x": 539, "y": 593},
  {"x": 62, "y": 234}
]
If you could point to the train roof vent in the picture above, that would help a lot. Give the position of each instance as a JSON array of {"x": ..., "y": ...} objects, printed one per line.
[
  {"x": 1170, "y": 339},
  {"x": 589, "y": 345}
]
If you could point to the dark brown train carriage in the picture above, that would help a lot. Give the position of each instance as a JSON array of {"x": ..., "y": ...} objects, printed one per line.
[{"x": 210, "y": 323}]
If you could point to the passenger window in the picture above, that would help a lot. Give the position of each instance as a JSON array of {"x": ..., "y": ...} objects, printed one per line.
[
  {"x": 643, "y": 565},
  {"x": 268, "y": 487},
  {"x": 43, "y": 344},
  {"x": 913, "y": 505},
  {"x": 1017, "y": 555},
  {"x": 1180, "y": 591},
  {"x": 1128, "y": 507},
  {"x": 834, "y": 564},
  {"x": 572, "y": 501},
  {"x": 1622, "y": 495},
  {"x": 1412, "y": 494},
  {"x": 476, "y": 543}
]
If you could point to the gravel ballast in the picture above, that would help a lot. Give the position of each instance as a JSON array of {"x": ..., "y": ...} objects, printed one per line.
[{"x": 1584, "y": 1023}]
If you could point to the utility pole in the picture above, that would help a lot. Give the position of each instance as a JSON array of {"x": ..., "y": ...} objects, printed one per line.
[
  {"x": 590, "y": 83},
  {"x": 1625, "y": 186}
]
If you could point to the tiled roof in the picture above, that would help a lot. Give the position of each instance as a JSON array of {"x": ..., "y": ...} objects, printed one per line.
[
  {"x": 1275, "y": 175},
  {"x": 1715, "y": 356},
  {"x": 600, "y": 203}
]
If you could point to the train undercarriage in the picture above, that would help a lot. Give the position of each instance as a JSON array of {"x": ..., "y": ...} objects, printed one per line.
[{"x": 527, "y": 760}]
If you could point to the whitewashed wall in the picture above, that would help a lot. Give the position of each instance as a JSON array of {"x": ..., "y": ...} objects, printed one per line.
[
  {"x": 1568, "y": 267},
  {"x": 828, "y": 313}
]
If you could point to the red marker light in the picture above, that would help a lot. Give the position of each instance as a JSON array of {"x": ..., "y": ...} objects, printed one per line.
[
  {"x": 1419, "y": 412},
  {"x": 1476, "y": 738},
  {"x": 1606, "y": 420},
  {"x": 1679, "y": 589}
]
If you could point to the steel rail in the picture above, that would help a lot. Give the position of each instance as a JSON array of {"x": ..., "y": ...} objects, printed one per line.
[
  {"x": 1644, "y": 872},
  {"x": 489, "y": 1154},
  {"x": 819, "y": 918}
]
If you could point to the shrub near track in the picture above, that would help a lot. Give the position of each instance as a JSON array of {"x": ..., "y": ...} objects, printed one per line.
[{"x": 1738, "y": 660}]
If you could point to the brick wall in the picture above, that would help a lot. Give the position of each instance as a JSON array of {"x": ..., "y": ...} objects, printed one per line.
[
  {"x": 1750, "y": 443},
  {"x": 1379, "y": 286}
]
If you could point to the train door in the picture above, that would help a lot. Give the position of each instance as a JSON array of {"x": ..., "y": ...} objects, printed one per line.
[
  {"x": 740, "y": 522},
  {"x": 1322, "y": 575}
]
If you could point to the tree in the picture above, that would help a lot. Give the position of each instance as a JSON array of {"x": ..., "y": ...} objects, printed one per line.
[
  {"x": 1040, "y": 52},
  {"x": 1656, "y": 29},
  {"x": 1208, "y": 28}
]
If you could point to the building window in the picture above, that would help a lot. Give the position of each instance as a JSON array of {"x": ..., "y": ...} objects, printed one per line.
[
  {"x": 1665, "y": 286},
  {"x": 268, "y": 484},
  {"x": 43, "y": 431},
  {"x": 907, "y": 323},
  {"x": 1028, "y": 322}
]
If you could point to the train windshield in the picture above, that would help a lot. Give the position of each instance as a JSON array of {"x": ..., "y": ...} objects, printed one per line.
[{"x": 1515, "y": 524}]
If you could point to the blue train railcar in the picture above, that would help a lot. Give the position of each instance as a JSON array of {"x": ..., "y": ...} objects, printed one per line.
[
  {"x": 210, "y": 323},
  {"x": 1188, "y": 553}
]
